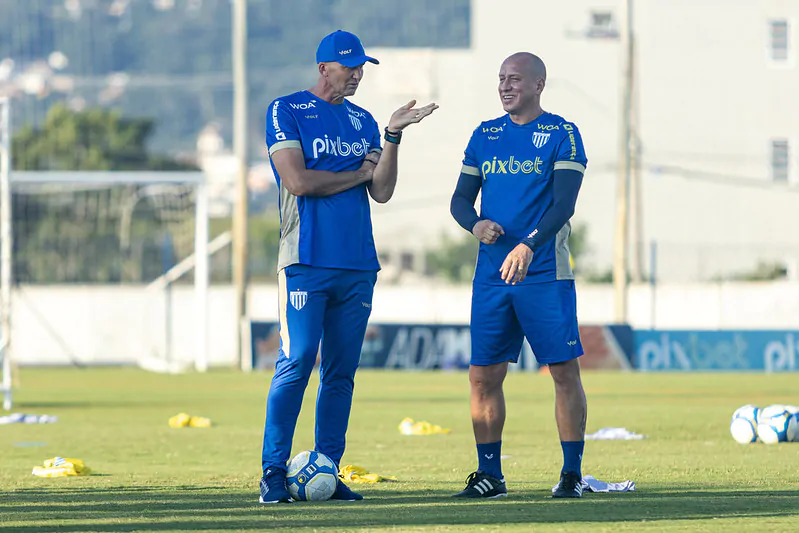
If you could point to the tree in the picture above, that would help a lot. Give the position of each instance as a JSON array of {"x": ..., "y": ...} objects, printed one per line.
[
  {"x": 454, "y": 259},
  {"x": 763, "y": 271},
  {"x": 264, "y": 243},
  {"x": 96, "y": 139},
  {"x": 578, "y": 245}
]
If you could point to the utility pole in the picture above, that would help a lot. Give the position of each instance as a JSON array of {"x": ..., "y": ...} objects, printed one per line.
[
  {"x": 620, "y": 261},
  {"x": 636, "y": 192},
  {"x": 636, "y": 195},
  {"x": 240, "y": 150}
]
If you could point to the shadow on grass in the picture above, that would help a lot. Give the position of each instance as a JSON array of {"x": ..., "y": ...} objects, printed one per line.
[
  {"x": 22, "y": 406},
  {"x": 189, "y": 508}
]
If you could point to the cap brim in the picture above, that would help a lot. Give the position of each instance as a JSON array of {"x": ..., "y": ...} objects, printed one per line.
[{"x": 357, "y": 61}]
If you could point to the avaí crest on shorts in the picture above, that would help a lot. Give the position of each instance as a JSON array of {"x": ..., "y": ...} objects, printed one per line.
[{"x": 298, "y": 299}]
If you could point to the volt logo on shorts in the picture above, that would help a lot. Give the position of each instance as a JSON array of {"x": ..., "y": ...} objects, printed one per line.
[
  {"x": 512, "y": 166},
  {"x": 338, "y": 147},
  {"x": 572, "y": 343},
  {"x": 298, "y": 299}
]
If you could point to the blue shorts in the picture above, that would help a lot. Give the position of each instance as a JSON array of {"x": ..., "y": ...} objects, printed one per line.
[{"x": 545, "y": 313}]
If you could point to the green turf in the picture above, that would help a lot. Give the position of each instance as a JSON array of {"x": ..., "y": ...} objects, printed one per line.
[{"x": 690, "y": 474}]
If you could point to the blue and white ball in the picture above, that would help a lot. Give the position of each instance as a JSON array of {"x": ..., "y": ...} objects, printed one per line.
[
  {"x": 743, "y": 425},
  {"x": 792, "y": 431},
  {"x": 776, "y": 410},
  {"x": 311, "y": 476},
  {"x": 772, "y": 428}
]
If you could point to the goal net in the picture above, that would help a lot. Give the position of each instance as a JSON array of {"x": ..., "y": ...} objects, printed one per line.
[{"x": 110, "y": 268}]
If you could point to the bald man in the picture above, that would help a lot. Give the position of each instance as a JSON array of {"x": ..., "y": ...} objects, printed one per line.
[{"x": 529, "y": 164}]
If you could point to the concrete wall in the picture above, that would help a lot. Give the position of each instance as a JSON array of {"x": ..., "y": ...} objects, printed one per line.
[{"x": 101, "y": 324}]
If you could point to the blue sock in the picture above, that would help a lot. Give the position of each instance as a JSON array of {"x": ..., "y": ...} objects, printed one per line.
[
  {"x": 488, "y": 457},
  {"x": 573, "y": 455}
]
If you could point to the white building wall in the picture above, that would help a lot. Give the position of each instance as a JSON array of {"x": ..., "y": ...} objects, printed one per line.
[
  {"x": 123, "y": 325},
  {"x": 710, "y": 102}
]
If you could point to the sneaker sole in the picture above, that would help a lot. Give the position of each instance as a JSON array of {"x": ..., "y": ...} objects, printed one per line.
[
  {"x": 494, "y": 497},
  {"x": 261, "y": 500}
]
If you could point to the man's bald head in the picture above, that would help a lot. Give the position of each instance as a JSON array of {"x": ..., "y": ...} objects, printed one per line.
[
  {"x": 522, "y": 78},
  {"x": 529, "y": 64}
]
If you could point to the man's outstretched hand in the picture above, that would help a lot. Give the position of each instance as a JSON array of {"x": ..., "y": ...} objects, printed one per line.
[{"x": 408, "y": 114}]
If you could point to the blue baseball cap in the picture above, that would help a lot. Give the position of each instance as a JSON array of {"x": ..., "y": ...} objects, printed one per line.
[{"x": 343, "y": 47}]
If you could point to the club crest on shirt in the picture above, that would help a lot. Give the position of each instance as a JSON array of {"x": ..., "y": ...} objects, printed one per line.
[
  {"x": 540, "y": 139},
  {"x": 355, "y": 118}
]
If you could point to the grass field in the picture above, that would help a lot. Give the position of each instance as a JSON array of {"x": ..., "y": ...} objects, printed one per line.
[{"x": 690, "y": 474}]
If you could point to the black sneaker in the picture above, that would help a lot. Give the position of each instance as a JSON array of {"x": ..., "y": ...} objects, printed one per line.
[
  {"x": 273, "y": 487},
  {"x": 569, "y": 486},
  {"x": 481, "y": 485}
]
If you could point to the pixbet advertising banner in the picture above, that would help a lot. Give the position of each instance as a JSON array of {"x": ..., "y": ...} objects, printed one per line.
[{"x": 680, "y": 350}]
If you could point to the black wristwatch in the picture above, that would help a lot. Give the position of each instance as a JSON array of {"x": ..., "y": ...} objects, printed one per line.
[{"x": 393, "y": 136}]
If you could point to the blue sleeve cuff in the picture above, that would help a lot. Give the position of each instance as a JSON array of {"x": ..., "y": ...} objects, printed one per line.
[
  {"x": 462, "y": 204},
  {"x": 531, "y": 243}
]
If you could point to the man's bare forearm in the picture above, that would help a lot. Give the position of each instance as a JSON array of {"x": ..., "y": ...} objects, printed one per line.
[{"x": 384, "y": 179}]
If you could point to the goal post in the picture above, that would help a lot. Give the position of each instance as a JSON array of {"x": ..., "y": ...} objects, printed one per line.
[
  {"x": 5, "y": 250},
  {"x": 102, "y": 265}
]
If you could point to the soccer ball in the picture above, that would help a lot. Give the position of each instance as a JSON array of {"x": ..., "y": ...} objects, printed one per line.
[
  {"x": 776, "y": 410},
  {"x": 743, "y": 425},
  {"x": 792, "y": 431},
  {"x": 774, "y": 428},
  {"x": 311, "y": 476}
]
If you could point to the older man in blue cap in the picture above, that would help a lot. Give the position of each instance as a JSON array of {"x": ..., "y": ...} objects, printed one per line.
[{"x": 327, "y": 159}]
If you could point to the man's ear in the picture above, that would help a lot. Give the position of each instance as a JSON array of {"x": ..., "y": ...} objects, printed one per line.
[{"x": 323, "y": 69}]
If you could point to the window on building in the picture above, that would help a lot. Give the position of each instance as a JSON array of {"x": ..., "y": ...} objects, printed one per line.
[
  {"x": 780, "y": 160},
  {"x": 602, "y": 25},
  {"x": 779, "y": 45}
]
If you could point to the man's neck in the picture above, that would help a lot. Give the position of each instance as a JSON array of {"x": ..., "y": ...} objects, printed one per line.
[
  {"x": 526, "y": 116},
  {"x": 324, "y": 92}
]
